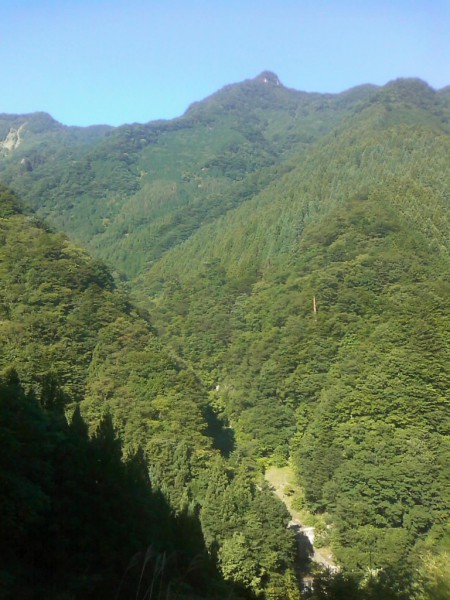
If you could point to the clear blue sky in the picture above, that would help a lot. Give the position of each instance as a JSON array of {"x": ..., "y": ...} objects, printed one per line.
[{"x": 117, "y": 61}]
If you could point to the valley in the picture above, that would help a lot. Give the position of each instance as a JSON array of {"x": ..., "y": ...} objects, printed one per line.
[{"x": 250, "y": 304}]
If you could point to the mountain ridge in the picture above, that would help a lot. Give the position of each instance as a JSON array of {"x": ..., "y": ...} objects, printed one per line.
[
  {"x": 292, "y": 251},
  {"x": 267, "y": 75},
  {"x": 232, "y": 140}
]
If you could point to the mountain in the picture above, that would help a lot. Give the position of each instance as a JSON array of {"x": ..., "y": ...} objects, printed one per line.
[
  {"x": 319, "y": 309},
  {"x": 289, "y": 253},
  {"x": 131, "y": 193},
  {"x": 107, "y": 442}
]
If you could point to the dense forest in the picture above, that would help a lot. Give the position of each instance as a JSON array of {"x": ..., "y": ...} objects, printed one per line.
[{"x": 262, "y": 281}]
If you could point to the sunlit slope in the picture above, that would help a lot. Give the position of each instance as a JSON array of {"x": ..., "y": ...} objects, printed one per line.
[
  {"x": 319, "y": 311},
  {"x": 134, "y": 192},
  {"x": 366, "y": 155}
]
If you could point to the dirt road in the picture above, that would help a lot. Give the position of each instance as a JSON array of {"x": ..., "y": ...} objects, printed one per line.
[{"x": 281, "y": 479}]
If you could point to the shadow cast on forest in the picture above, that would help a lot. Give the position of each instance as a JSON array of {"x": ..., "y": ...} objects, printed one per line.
[{"x": 81, "y": 521}]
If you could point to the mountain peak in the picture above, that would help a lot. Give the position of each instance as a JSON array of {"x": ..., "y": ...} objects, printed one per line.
[{"x": 268, "y": 77}]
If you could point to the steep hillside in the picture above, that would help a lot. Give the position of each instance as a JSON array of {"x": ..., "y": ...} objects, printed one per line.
[
  {"x": 403, "y": 167},
  {"x": 80, "y": 520},
  {"x": 72, "y": 346},
  {"x": 319, "y": 312},
  {"x": 64, "y": 322}
]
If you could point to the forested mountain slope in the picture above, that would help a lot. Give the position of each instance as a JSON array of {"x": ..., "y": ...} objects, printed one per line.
[
  {"x": 133, "y": 192},
  {"x": 320, "y": 309},
  {"x": 79, "y": 518},
  {"x": 292, "y": 250}
]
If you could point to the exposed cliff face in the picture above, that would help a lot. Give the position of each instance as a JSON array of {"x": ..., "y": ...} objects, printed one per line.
[{"x": 13, "y": 139}]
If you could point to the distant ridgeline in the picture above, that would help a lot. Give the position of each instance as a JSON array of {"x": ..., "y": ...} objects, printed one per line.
[{"x": 289, "y": 255}]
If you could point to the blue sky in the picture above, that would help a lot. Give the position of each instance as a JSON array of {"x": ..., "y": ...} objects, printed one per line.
[{"x": 117, "y": 61}]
